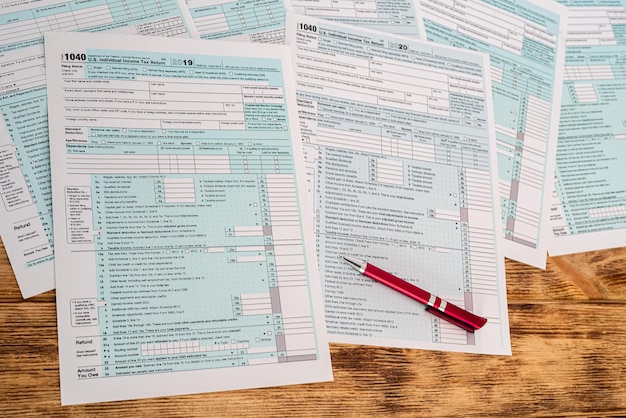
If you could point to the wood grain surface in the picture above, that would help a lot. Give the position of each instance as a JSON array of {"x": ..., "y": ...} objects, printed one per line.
[{"x": 568, "y": 334}]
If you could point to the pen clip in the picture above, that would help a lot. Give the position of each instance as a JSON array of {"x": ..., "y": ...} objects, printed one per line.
[{"x": 467, "y": 326}]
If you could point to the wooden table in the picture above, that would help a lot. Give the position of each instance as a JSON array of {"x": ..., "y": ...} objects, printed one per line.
[{"x": 568, "y": 332}]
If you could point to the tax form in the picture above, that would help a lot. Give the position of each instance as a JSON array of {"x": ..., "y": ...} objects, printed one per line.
[
  {"x": 525, "y": 42},
  {"x": 589, "y": 200},
  {"x": 240, "y": 20},
  {"x": 25, "y": 188},
  {"x": 184, "y": 263},
  {"x": 398, "y": 143},
  {"x": 400, "y": 17}
]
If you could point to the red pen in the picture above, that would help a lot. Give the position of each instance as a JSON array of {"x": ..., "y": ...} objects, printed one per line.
[{"x": 435, "y": 305}]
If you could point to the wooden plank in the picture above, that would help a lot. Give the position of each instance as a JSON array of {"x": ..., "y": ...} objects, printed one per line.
[
  {"x": 591, "y": 275},
  {"x": 528, "y": 283},
  {"x": 605, "y": 271},
  {"x": 568, "y": 358}
]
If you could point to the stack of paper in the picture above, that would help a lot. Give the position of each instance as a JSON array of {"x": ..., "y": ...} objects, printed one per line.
[{"x": 182, "y": 194}]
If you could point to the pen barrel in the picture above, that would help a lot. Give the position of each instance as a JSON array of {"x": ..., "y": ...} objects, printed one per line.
[
  {"x": 458, "y": 316},
  {"x": 435, "y": 305},
  {"x": 397, "y": 284}
]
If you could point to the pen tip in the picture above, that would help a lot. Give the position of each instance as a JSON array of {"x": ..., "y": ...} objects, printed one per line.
[{"x": 356, "y": 264}]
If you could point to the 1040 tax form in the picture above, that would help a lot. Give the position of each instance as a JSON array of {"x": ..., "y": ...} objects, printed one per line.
[
  {"x": 526, "y": 47},
  {"x": 183, "y": 261},
  {"x": 589, "y": 200},
  {"x": 401, "y": 172}
]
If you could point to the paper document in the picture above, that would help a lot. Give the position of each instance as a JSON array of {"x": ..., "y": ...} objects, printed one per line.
[
  {"x": 398, "y": 143},
  {"x": 25, "y": 188},
  {"x": 400, "y": 17},
  {"x": 239, "y": 20},
  {"x": 525, "y": 42},
  {"x": 589, "y": 201},
  {"x": 184, "y": 264}
]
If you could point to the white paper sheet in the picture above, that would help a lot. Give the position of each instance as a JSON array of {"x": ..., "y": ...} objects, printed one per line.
[
  {"x": 400, "y": 153},
  {"x": 525, "y": 43},
  {"x": 24, "y": 160},
  {"x": 589, "y": 199},
  {"x": 400, "y": 17},
  {"x": 248, "y": 20},
  {"x": 183, "y": 263}
]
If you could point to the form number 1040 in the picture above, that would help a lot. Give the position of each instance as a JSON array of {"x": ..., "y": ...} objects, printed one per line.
[{"x": 74, "y": 57}]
